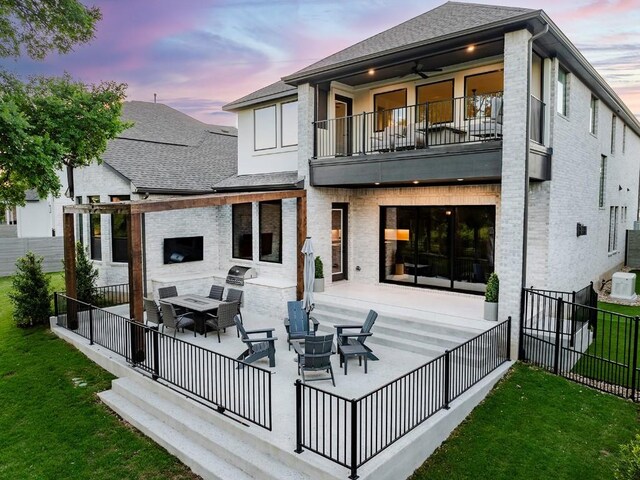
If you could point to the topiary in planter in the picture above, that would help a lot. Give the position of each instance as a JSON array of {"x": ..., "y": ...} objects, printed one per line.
[
  {"x": 30, "y": 293},
  {"x": 319, "y": 268},
  {"x": 493, "y": 287}
]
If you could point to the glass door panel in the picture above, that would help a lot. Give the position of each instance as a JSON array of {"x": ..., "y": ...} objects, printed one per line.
[
  {"x": 474, "y": 247},
  {"x": 336, "y": 242},
  {"x": 433, "y": 266},
  {"x": 399, "y": 244}
]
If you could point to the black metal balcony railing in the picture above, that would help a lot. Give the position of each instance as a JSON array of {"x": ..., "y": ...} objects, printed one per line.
[{"x": 443, "y": 122}]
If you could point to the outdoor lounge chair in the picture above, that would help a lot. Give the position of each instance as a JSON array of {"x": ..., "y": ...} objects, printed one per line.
[
  {"x": 171, "y": 319},
  {"x": 216, "y": 292},
  {"x": 297, "y": 323},
  {"x": 257, "y": 348},
  {"x": 357, "y": 338},
  {"x": 316, "y": 357},
  {"x": 222, "y": 319},
  {"x": 153, "y": 311}
]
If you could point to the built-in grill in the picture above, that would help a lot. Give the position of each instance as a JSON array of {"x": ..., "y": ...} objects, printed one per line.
[{"x": 237, "y": 275}]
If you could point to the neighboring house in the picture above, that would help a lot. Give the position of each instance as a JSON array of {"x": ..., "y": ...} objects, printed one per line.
[
  {"x": 467, "y": 140},
  {"x": 164, "y": 154}
]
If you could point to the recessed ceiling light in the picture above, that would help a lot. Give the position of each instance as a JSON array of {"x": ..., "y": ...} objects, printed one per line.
[
  {"x": 377, "y": 183},
  {"x": 460, "y": 179},
  {"x": 416, "y": 182},
  {"x": 371, "y": 71},
  {"x": 471, "y": 48}
]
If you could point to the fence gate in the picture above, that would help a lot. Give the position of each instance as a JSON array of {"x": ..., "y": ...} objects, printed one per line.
[{"x": 568, "y": 335}]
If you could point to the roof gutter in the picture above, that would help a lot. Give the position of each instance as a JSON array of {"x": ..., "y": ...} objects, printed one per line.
[{"x": 525, "y": 223}]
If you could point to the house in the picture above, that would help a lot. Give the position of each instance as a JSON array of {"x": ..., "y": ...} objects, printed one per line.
[{"x": 467, "y": 140}]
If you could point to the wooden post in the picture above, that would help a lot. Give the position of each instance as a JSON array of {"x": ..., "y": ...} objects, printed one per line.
[
  {"x": 136, "y": 310},
  {"x": 70, "y": 269},
  {"x": 301, "y": 215}
]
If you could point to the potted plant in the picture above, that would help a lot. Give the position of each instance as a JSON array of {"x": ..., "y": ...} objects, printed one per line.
[
  {"x": 318, "y": 283},
  {"x": 491, "y": 298}
]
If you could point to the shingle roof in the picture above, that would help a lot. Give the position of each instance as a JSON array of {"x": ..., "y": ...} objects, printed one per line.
[
  {"x": 167, "y": 150},
  {"x": 259, "y": 180},
  {"x": 447, "y": 19},
  {"x": 278, "y": 89}
]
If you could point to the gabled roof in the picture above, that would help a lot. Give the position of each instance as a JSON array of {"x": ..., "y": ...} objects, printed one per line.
[
  {"x": 448, "y": 19},
  {"x": 168, "y": 151},
  {"x": 274, "y": 91}
]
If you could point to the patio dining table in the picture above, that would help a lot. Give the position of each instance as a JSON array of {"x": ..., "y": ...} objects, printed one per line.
[{"x": 197, "y": 304}]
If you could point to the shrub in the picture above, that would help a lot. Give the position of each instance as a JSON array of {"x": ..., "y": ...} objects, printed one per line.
[
  {"x": 86, "y": 276},
  {"x": 30, "y": 292},
  {"x": 628, "y": 467},
  {"x": 319, "y": 268},
  {"x": 493, "y": 287}
]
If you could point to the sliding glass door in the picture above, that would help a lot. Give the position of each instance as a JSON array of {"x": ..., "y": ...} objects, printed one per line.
[{"x": 441, "y": 247}]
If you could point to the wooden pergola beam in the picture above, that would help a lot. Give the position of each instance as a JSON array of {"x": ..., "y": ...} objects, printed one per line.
[
  {"x": 301, "y": 216},
  {"x": 70, "y": 283}
]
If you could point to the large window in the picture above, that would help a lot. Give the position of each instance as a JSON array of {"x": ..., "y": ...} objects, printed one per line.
[
  {"x": 562, "y": 93},
  {"x": 480, "y": 90},
  {"x": 271, "y": 231},
  {"x": 95, "y": 231},
  {"x": 593, "y": 114},
  {"x": 603, "y": 179},
  {"x": 242, "y": 231},
  {"x": 439, "y": 97},
  {"x": 613, "y": 229},
  {"x": 390, "y": 108},
  {"x": 289, "y": 123},
  {"x": 264, "y": 124},
  {"x": 119, "y": 233}
]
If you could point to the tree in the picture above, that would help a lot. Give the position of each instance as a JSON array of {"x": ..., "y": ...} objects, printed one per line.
[
  {"x": 50, "y": 123},
  {"x": 37, "y": 27},
  {"x": 30, "y": 293},
  {"x": 86, "y": 276}
]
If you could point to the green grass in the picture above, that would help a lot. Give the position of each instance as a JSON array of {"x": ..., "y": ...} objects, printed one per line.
[
  {"x": 536, "y": 426},
  {"x": 52, "y": 428}
]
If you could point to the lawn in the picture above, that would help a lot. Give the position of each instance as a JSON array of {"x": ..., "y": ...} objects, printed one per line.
[
  {"x": 536, "y": 425},
  {"x": 52, "y": 424}
]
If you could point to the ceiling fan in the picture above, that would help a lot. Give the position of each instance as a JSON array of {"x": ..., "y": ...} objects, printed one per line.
[{"x": 418, "y": 69}]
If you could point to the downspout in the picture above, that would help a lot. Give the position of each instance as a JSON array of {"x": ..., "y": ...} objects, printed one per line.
[{"x": 525, "y": 223}]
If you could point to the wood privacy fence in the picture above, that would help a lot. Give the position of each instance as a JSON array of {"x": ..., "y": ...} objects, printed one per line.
[{"x": 13, "y": 248}]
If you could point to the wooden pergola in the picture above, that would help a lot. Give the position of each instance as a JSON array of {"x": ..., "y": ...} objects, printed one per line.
[{"x": 135, "y": 210}]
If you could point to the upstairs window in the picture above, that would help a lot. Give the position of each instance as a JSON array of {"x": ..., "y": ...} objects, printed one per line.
[
  {"x": 391, "y": 109},
  {"x": 264, "y": 128},
  {"x": 613, "y": 134},
  {"x": 119, "y": 233},
  {"x": 562, "y": 98},
  {"x": 439, "y": 97},
  {"x": 242, "y": 231},
  {"x": 603, "y": 177},
  {"x": 593, "y": 114},
  {"x": 80, "y": 235},
  {"x": 479, "y": 91},
  {"x": 289, "y": 123}
]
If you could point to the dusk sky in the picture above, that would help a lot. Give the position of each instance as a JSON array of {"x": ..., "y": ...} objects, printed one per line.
[{"x": 198, "y": 55}]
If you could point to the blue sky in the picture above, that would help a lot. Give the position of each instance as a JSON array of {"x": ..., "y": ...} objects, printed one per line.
[{"x": 198, "y": 55}]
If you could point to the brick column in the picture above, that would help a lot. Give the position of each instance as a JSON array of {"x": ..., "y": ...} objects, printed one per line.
[{"x": 514, "y": 141}]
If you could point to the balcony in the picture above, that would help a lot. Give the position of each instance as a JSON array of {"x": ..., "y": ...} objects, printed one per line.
[{"x": 435, "y": 142}]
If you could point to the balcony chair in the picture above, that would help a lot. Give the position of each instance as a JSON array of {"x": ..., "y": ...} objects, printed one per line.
[
  {"x": 297, "y": 324},
  {"x": 359, "y": 338},
  {"x": 154, "y": 315},
  {"x": 257, "y": 348},
  {"x": 410, "y": 137},
  {"x": 216, "y": 292},
  {"x": 316, "y": 356},
  {"x": 171, "y": 319},
  {"x": 223, "y": 318},
  {"x": 487, "y": 127}
]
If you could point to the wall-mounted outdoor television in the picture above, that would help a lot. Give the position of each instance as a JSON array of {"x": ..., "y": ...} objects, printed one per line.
[{"x": 183, "y": 249}]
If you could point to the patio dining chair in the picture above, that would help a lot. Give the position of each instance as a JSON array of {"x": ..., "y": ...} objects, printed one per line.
[
  {"x": 171, "y": 291},
  {"x": 216, "y": 292},
  {"x": 223, "y": 318},
  {"x": 316, "y": 357},
  {"x": 154, "y": 315},
  {"x": 357, "y": 338},
  {"x": 257, "y": 347},
  {"x": 171, "y": 319},
  {"x": 235, "y": 295},
  {"x": 298, "y": 323}
]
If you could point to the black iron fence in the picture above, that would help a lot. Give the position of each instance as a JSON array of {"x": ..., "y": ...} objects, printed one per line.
[
  {"x": 220, "y": 381},
  {"x": 350, "y": 432},
  {"x": 444, "y": 122},
  {"x": 565, "y": 333},
  {"x": 111, "y": 295}
]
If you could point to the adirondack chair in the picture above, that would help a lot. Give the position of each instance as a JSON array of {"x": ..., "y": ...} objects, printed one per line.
[
  {"x": 297, "y": 324},
  {"x": 316, "y": 356},
  {"x": 357, "y": 338},
  {"x": 257, "y": 348}
]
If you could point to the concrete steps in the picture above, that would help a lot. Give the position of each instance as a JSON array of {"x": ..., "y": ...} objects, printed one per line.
[{"x": 212, "y": 445}]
